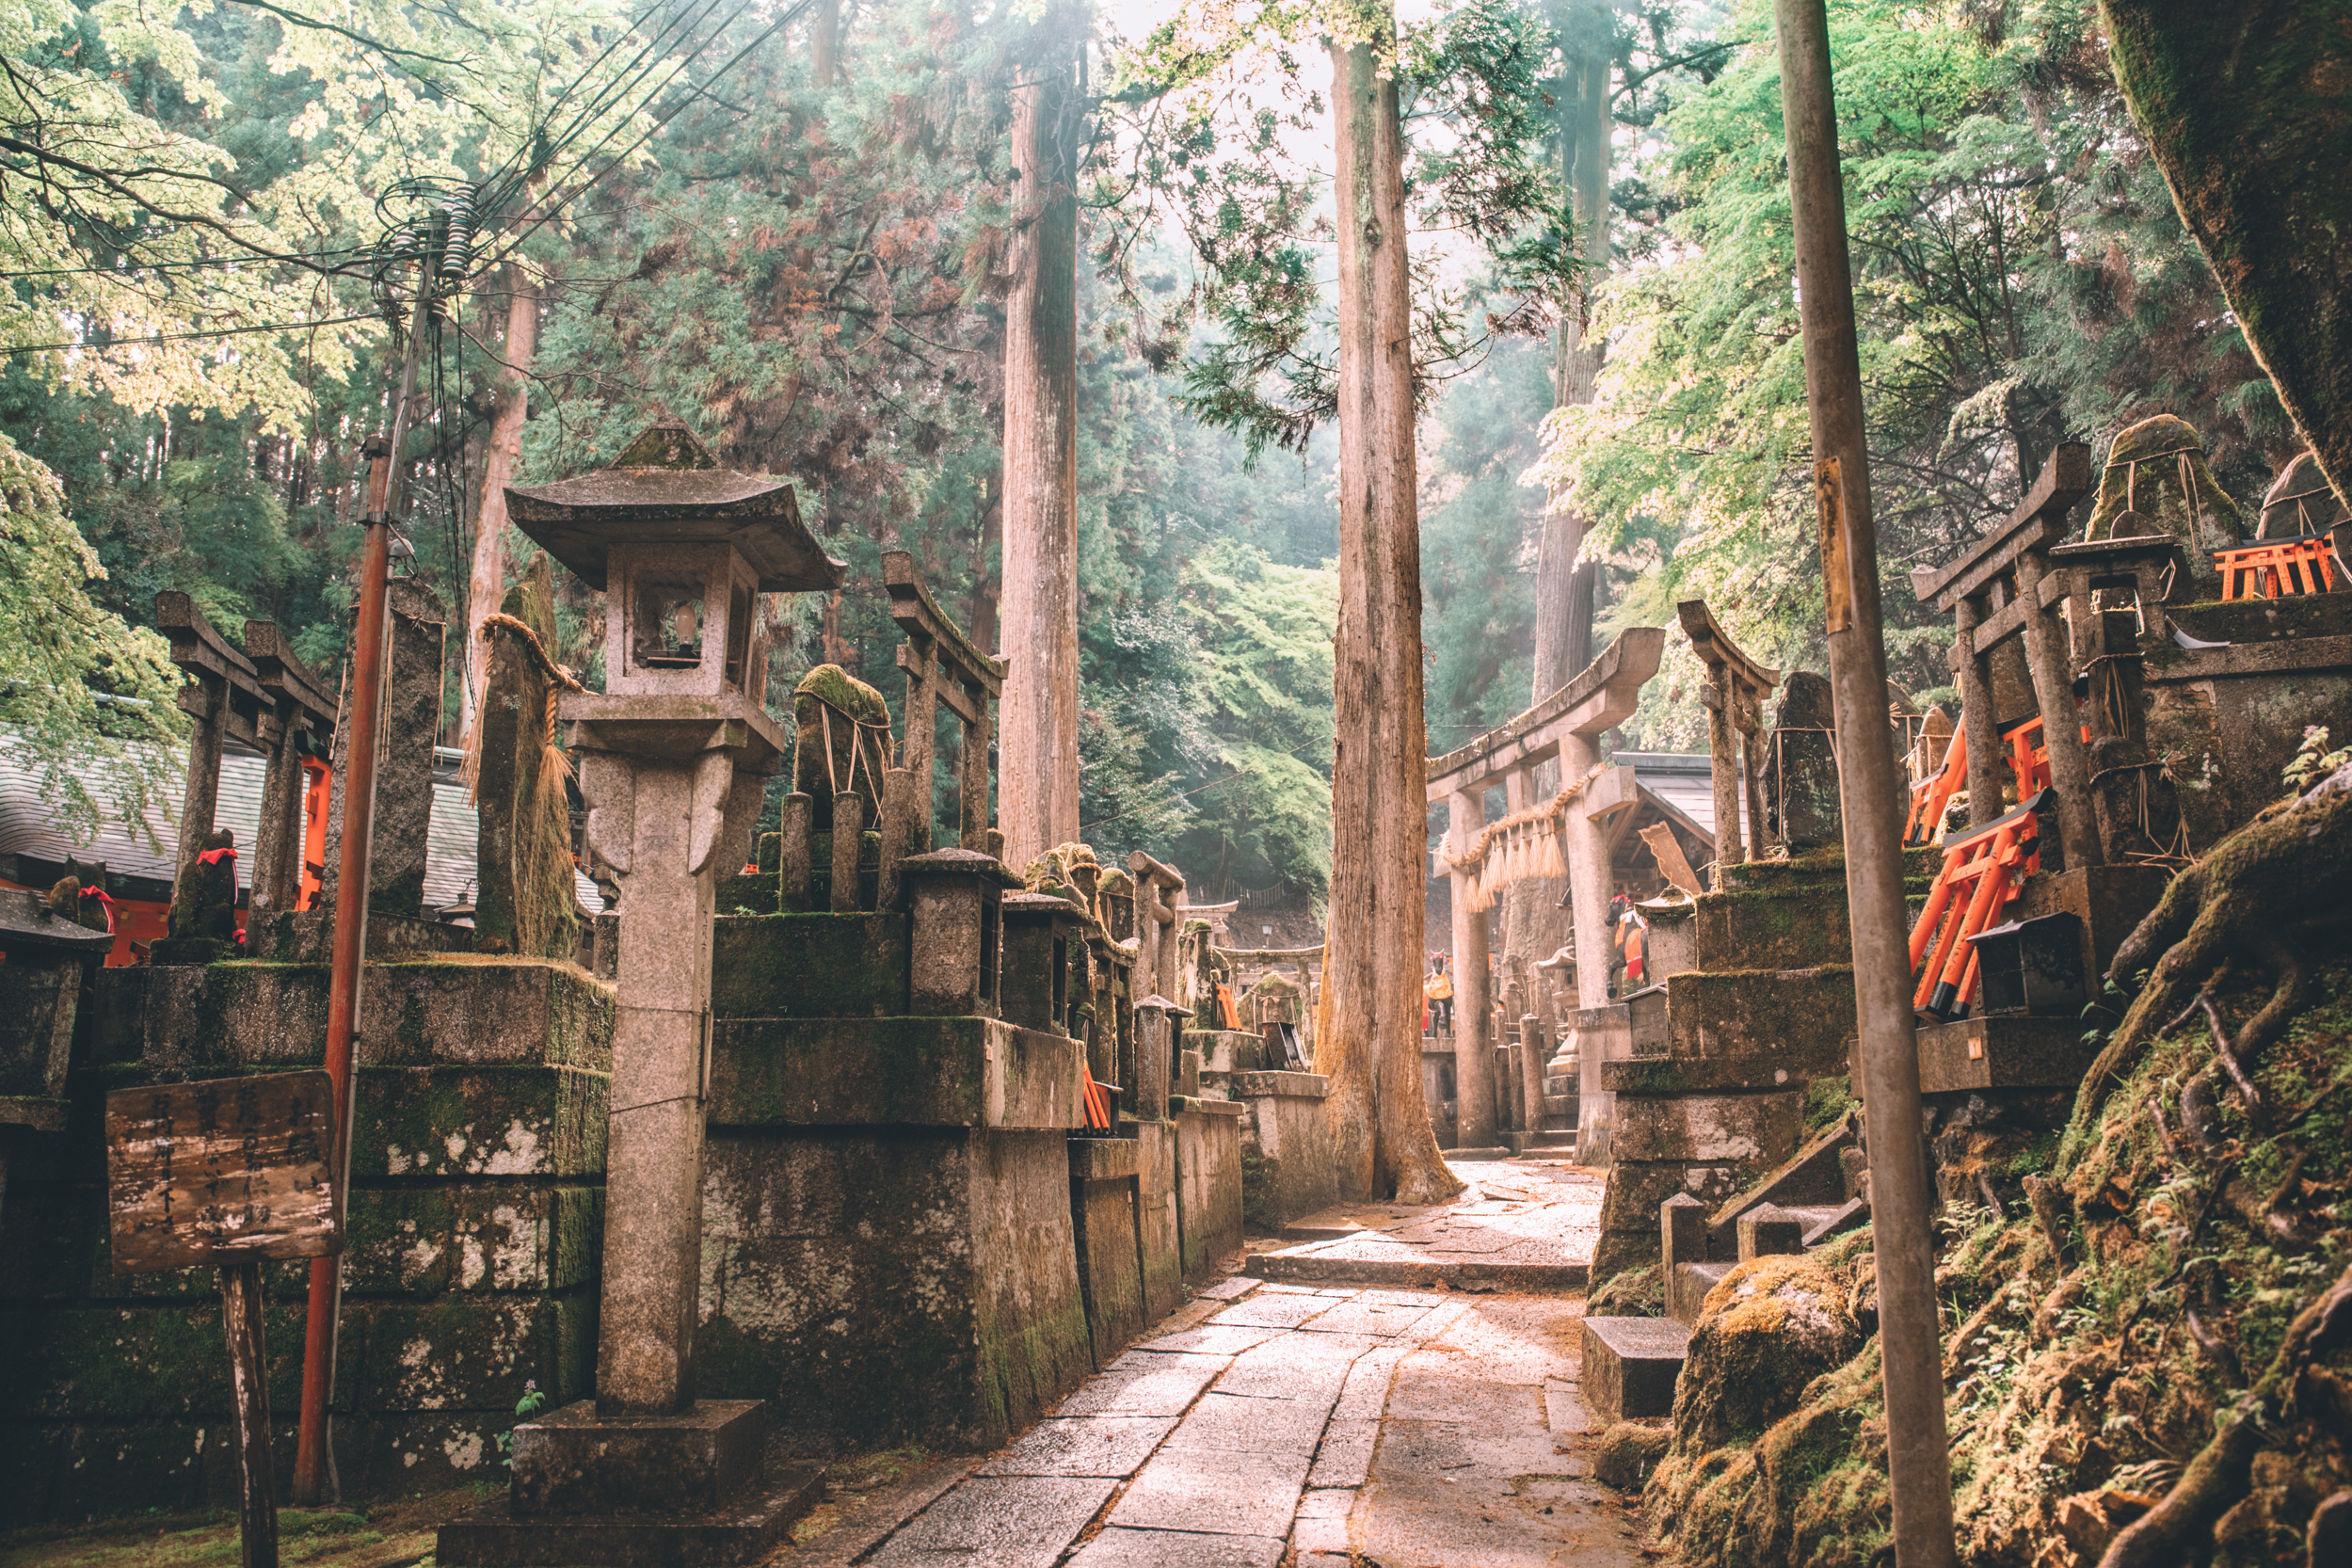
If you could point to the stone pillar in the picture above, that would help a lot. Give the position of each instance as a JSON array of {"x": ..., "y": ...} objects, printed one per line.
[
  {"x": 1721, "y": 698},
  {"x": 278, "y": 846},
  {"x": 207, "y": 703},
  {"x": 653, "y": 1263},
  {"x": 1980, "y": 726},
  {"x": 2061, "y": 730},
  {"x": 1588, "y": 891},
  {"x": 1807, "y": 810},
  {"x": 1474, "y": 1084},
  {"x": 404, "y": 773}
]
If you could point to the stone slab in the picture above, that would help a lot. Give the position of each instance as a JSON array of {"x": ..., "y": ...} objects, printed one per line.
[
  {"x": 1709, "y": 1128},
  {"x": 1267, "y": 1310},
  {"x": 493, "y": 1537},
  {"x": 1345, "y": 1457},
  {"x": 1409, "y": 1273},
  {"x": 1115, "y": 1446},
  {"x": 812, "y": 966},
  {"x": 1208, "y": 1189},
  {"x": 570, "y": 1463},
  {"x": 1630, "y": 1365},
  {"x": 1157, "y": 1386},
  {"x": 1312, "y": 1086},
  {"x": 1119, "y": 1547},
  {"x": 2004, "y": 1053},
  {"x": 1237, "y": 1424},
  {"x": 1686, "y": 1291},
  {"x": 998, "y": 1522},
  {"x": 1206, "y": 1491},
  {"x": 1102, "y": 1159},
  {"x": 897, "y": 1071}
]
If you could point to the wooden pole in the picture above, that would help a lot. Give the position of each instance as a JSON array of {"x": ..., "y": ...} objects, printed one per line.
[
  {"x": 1918, "y": 1458},
  {"x": 314, "y": 1465},
  {"x": 248, "y": 1399}
]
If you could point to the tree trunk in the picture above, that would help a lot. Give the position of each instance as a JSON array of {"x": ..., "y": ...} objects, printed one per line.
[
  {"x": 1037, "y": 739},
  {"x": 1535, "y": 925},
  {"x": 2243, "y": 106},
  {"x": 1379, "y": 809},
  {"x": 825, "y": 42},
  {"x": 485, "y": 584}
]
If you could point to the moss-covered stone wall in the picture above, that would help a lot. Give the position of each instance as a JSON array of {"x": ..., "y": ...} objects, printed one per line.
[{"x": 470, "y": 1258}]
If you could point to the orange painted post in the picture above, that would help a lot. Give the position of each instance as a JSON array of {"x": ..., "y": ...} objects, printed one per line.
[
  {"x": 1929, "y": 796},
  {"x": 1980, "y": 878}
]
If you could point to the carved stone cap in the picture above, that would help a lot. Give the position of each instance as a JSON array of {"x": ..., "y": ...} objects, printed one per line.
[
  {"x": 959, "y": 862},
  {"x": 666, "y": 488},
  {"x": 1164, "y": 1005},
  {"x": 1037, "y": 904}
]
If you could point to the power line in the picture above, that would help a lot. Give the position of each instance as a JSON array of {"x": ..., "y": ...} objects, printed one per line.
[{"x": 183, "y": 337}]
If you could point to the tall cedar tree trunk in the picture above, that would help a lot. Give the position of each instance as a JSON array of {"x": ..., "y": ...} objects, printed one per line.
[
  {"x": 485, "y": 584},
  {"x": 1535, "y": 925},
  {"x": 825, "y": 42},
  {"x": 1037, "y": 738},
  {"x": 2245, "y": 108},
  {"x": 1378, "y": 874}
]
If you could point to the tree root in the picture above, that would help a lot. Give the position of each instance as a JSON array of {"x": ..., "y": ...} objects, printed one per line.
[
  {"x": 2231, "y": 905},
  {"x": 2218, "y": 1476}
]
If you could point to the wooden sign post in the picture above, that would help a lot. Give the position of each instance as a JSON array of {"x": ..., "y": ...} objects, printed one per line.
[{"x": 226, "y": 1171}]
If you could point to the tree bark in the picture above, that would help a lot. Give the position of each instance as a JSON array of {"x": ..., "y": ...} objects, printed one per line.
[
  {"x": 1535, "y": 925},
  {"x": 485, "y": 584},
  {"x": 825, "y": 42},
  {"x": 1379, "y": 870},
  {"x": 1037, "y": 740},
  {"x": 2243, "y": 106}
]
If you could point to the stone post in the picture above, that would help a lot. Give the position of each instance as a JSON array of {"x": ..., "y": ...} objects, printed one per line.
[
  {"x": 2061, "y": 730},
  {"x": 404, "y": 776},
  {"x": 1474, "y": 1087},
  {"x": 1979, "y": 725},
  {"x": 1722, "y": 698},
  {"x": 1588, "y": 891}
]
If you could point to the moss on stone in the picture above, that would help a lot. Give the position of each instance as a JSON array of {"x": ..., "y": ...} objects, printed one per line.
[{"x": 1629, "y": 1293}]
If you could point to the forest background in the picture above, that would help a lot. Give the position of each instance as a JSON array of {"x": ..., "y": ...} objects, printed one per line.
[{"x": 793, "y": 238}]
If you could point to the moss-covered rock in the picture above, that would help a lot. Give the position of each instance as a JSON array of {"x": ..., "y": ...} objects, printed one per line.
[
  {"x": 842, "y": 739},
  {"x": 2156, "y": 469},
  {"x": 1770, "y": 1328},
  {"x": 1627, "y": 1453},
  {"x": 1631, "y": 1293}
]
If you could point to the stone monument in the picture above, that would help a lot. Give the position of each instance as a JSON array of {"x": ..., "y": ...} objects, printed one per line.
[{"x": 673, "y": 755}]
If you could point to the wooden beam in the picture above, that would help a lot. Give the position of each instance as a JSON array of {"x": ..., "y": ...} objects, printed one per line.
[{"x": 2038, "y": 522}]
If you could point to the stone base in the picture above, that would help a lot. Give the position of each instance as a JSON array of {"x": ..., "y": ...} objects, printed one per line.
[
  {"x": 569, "y": 1462},
  {"x": 1687, "y": 1290},
  {"x": 2004, "y": 1053},
  {"x": 494, "y": 1536},
  {"x": 178, "y": 951},
  {"x": 1630, "y": 1365}
]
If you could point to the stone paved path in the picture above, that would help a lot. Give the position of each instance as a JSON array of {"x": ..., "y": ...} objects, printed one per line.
[
  {"x": 1267, "y": 1424},
  {"x": 1524, "y": 1224}
]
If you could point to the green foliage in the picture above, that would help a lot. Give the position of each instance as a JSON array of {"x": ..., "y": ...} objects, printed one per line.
[
  {"x": 78, "y": 688},
  {"x": 2020, "y": 275}
]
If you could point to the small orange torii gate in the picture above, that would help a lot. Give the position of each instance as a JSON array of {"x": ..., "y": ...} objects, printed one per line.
[{"x": 1566, "y": 726}]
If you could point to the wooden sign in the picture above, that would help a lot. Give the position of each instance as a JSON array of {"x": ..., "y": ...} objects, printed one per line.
[{"x": 222, "y": 1171}]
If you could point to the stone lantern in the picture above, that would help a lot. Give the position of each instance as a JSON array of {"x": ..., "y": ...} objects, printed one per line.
[
  {"x": 1042, "y": 938},
  {"x": 673, "y": 758}
]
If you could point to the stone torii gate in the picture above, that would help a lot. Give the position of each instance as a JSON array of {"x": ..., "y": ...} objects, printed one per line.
[
  {"x": 1734, "y": 693},
  {"x": 1566, "y": 725}
]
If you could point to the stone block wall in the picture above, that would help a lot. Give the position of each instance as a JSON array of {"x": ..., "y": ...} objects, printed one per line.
[
  {"x": 1292, "y": 1163},
  {"x": 471, "y": 1260},
  {"x": 1209, "y": 1184}
]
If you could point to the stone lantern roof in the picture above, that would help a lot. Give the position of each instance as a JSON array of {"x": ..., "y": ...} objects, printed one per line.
[{"x": 665, "y": 489}]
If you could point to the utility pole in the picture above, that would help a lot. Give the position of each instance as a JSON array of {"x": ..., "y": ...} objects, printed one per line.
[
  {"x": 313, "y": 1464},
  {"x": 1919, "y": 1460}
]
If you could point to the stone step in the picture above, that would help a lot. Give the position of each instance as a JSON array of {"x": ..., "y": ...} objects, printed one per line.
[
  {"x": 1564, "y": 1124},
  {"x": 1850, "y": 1215},
  {"x": 1814, "y": 1175},
  {"x": 1630, "y": 1365},
  {"x": 1686, "y": 1291},
  {"x": 1562, "y": 1085},
  {"x": 1560, "y": 1105}
]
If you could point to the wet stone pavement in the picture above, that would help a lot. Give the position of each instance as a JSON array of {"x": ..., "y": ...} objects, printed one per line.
[{"x": 1268, "y": 1424}]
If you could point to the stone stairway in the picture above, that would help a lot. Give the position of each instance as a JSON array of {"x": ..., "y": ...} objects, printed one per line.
[{"x": 1756, "y": 1002}]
